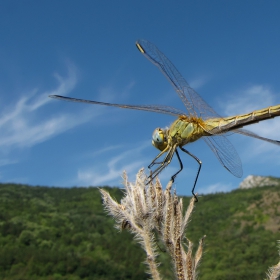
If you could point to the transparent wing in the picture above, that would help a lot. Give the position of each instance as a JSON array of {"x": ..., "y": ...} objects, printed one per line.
[
  {"x": 226, "y": 153},
  {"x": 151, "y": 108},
  {"x": 195, "y": 105},
  {"x": 252, "y": 134}
]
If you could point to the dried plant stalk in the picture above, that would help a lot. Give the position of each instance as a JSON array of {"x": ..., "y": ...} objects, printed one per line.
[
  {"x": 146, "y": 210},
  {"x": 274, "y": 271}
]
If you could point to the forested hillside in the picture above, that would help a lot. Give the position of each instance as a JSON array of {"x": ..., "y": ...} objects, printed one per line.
[{"x": 58, "y": 233}]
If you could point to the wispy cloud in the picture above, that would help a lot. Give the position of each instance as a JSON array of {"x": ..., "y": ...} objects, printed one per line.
[
  {"x": 110, "y": 173},
  {"x": 214, "y": 188},
  {"x": 26, "y": 123},
  {"x": 253, "y": 98},
  {"x": 22, "y": 124},
  {"x": 7, "y": 162},
  {"x": 199, "y": 82},
  {"x": 110, "y": 94},
  {"x": 249, "y": 99}
]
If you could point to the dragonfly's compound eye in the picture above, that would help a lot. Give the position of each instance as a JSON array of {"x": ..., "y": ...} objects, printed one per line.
[
  {"x": 158, "y": 136},
  {"x": 159, "y": 140}
]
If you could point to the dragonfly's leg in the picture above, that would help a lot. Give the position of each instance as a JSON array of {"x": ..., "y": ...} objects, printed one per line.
[
  {"x": 198, "y": 171},
  {"x": 158, "y": 156},
  {"x": 163, "y": 164},
  {"x": 151, "y": 177},
  {"x": 181, "y": 166},
  {"x": 155, "y": 172}
]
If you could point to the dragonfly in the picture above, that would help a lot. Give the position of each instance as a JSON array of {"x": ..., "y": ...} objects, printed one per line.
[{"x": 200, "y": 121}]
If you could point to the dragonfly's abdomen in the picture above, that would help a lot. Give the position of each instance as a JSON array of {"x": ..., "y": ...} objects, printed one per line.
[
  {"x": 235, "y": 122},
  {"x": 185, "y": 130}
]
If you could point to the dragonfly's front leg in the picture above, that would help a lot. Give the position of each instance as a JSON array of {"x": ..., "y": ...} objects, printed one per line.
[
  {"x": 158, "y": 156},
  {"x": 163, "y": 163}
]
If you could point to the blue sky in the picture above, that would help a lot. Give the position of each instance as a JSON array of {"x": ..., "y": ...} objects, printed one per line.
[{"x": 228, "y": 51}]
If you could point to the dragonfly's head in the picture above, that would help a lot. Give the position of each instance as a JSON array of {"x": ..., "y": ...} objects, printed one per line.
[{"x": 159, "y": 139}]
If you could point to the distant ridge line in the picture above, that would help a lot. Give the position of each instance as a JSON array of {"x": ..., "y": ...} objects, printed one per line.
[{"x": 253, "y": 181}]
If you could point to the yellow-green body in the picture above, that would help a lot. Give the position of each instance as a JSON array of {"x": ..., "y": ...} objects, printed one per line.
[
  {"x": 219, "y": 125},
  {"x": 186, "y": 129}
]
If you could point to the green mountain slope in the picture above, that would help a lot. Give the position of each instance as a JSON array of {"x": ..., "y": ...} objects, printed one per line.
[
  {"x": 57, "y": 233},
  {"x": 242, "y": 228}
]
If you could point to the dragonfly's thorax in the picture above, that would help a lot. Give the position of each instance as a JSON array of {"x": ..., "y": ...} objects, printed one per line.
[{"x": 185, "y": 130}]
